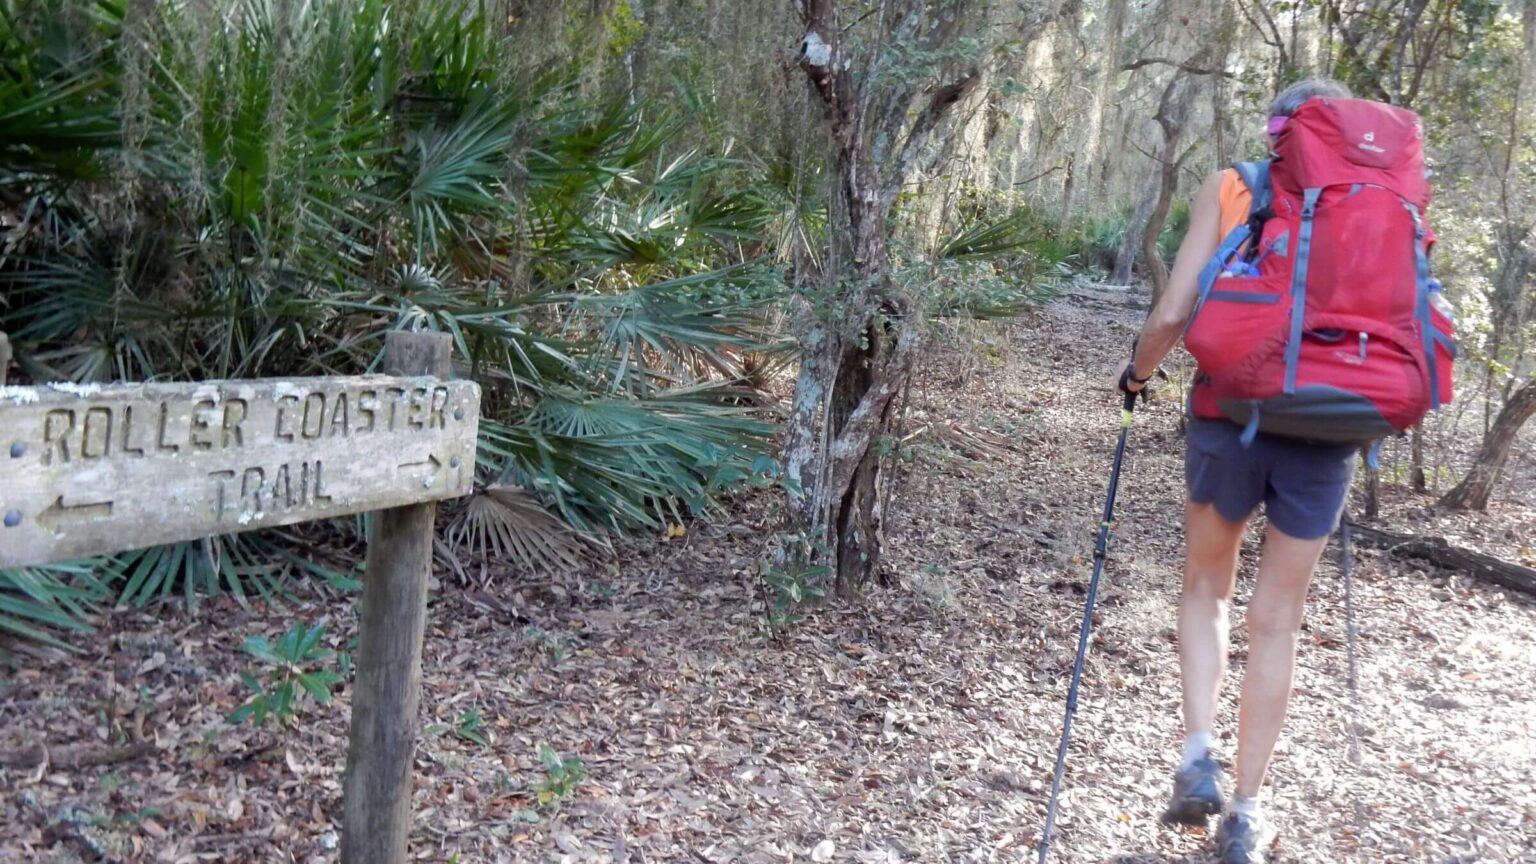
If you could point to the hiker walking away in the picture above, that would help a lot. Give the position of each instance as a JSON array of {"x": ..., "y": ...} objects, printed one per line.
[{"x": 1304, "y": 285}]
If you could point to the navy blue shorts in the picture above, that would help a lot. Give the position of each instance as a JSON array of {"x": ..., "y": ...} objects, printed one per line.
[{"x": 1302, "y": 485}]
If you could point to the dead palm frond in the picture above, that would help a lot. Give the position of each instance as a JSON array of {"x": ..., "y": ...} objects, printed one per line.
[{"x": 505, "y": 526}]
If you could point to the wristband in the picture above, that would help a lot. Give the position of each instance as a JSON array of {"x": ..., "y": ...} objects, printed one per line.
[{"x": 1126, "y": 379}]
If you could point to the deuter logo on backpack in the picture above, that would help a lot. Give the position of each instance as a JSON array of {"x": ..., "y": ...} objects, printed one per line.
[{"x": 1344, "y": 337}]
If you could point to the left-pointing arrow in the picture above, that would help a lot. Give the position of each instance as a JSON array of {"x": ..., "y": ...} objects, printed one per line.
[{"x": 58, "y": 511}]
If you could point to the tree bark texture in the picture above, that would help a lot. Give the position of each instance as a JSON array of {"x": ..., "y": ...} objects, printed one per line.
[
  {"x": 376, "y": 804},
  {"x": 1476, "y": 489},
  {"x": 858, "y": 345}
]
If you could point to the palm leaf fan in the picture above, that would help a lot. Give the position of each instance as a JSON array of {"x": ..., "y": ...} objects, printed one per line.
[{"x": 507, "y": 524}]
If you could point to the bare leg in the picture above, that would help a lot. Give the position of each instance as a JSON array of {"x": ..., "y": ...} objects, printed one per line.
[
  {"x": 1274, "y": 619},
  {"x": 1212, "y": 543}
]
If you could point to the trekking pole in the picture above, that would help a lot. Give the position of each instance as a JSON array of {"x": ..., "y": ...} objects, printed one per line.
[
  {"x": 1099, "y": 551},
  {"x": 1351, "y": 630}
]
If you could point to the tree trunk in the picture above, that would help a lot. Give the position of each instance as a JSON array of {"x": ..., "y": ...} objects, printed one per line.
[
  {"x": 1227, "y": 37},
  {"x": 1528, "y": 55},
  {"x": 1147, "y": 220},
  {"x": 1172, "y": 111},
  {"x": 1507, "y": 313},
  {"x": 857, "y": 515},
  {"x": 1476, "y": 489},
  {"x": 1114, "y": 39},
  {"x": 844, "y": 396},
  {"x": 1405, "y": 31},
  {"x": 1168, "y": 182},
  {"x": 635, "y": 52},
  {"x": 857, "y": 342},
  {"x": 1420, "y": 482},
  {"x": 1131, "y": 240},
  {"x": 1093, "y": 165},
  {"x": 872, "y": 367}
]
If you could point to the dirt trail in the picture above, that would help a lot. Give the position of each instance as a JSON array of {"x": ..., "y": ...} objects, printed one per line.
[{"x": 920, "y": 726}]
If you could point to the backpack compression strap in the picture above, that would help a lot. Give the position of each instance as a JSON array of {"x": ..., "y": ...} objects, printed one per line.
[
  {"x": 1255, "y": 175},
  {"x": 1421, "y": 307}
]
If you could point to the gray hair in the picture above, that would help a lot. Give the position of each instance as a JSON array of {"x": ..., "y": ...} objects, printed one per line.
[{"x": 1291, "y": 97}]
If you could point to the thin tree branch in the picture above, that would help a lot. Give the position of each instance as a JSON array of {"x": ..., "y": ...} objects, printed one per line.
[
  {"x": 859, "y": 20},
  {"x": 1184, "y": 66},
  {"x": 1184, "y": 157},
  {"x": 1273, "y": 38},
  {"x": 1143, "y": 151},
  {"x": 939, "y": 104},
  {"x": 1046, "y": 173}
]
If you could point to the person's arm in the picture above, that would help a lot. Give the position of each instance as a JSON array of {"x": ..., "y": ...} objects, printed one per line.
[{"x": 1165, "y": 324}]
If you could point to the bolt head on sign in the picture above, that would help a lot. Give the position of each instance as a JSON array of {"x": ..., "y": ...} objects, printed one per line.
[{"x": 87, "y": 470}]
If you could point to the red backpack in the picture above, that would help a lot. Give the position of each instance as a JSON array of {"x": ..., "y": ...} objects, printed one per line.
[{"x": 1318, "y": 319}]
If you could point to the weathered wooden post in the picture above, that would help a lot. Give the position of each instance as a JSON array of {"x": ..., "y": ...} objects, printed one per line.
[
  {"x": 376, "y": 817},
  {"x": 5, "y": 357}
]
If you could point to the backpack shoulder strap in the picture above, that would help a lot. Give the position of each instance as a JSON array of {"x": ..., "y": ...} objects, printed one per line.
[{"x": 1255, "y": 175}]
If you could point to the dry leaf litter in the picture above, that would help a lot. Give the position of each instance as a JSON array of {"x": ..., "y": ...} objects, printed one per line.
[{"x": 920, "y": 725}]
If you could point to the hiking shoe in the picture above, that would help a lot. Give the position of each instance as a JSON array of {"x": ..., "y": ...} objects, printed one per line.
[
  {"x": 1196, "y": 793},
  {"x": 1242, "y": 840}
]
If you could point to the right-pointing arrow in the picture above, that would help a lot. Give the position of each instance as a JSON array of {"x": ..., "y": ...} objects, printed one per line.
[{"x": 432, "y": 463}]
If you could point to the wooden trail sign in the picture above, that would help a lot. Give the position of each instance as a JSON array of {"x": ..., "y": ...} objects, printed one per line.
[{"x": 86, "y": 470}]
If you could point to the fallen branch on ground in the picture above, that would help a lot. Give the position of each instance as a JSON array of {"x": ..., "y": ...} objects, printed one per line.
[
  {"x": 1441, "y": 552},
  {"x": 72, "y": 755}
]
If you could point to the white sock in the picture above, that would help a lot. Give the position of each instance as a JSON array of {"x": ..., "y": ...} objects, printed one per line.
[
  {"x": 1246, "y": 806},
  {"x": 1196, "y": 746}
]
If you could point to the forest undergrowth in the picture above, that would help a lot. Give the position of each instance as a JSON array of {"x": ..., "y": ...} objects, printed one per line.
[{"x": 645, "y": 712}]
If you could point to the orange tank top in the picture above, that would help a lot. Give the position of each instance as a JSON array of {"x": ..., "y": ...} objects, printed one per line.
[{"x": 1234, "y": 200}]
